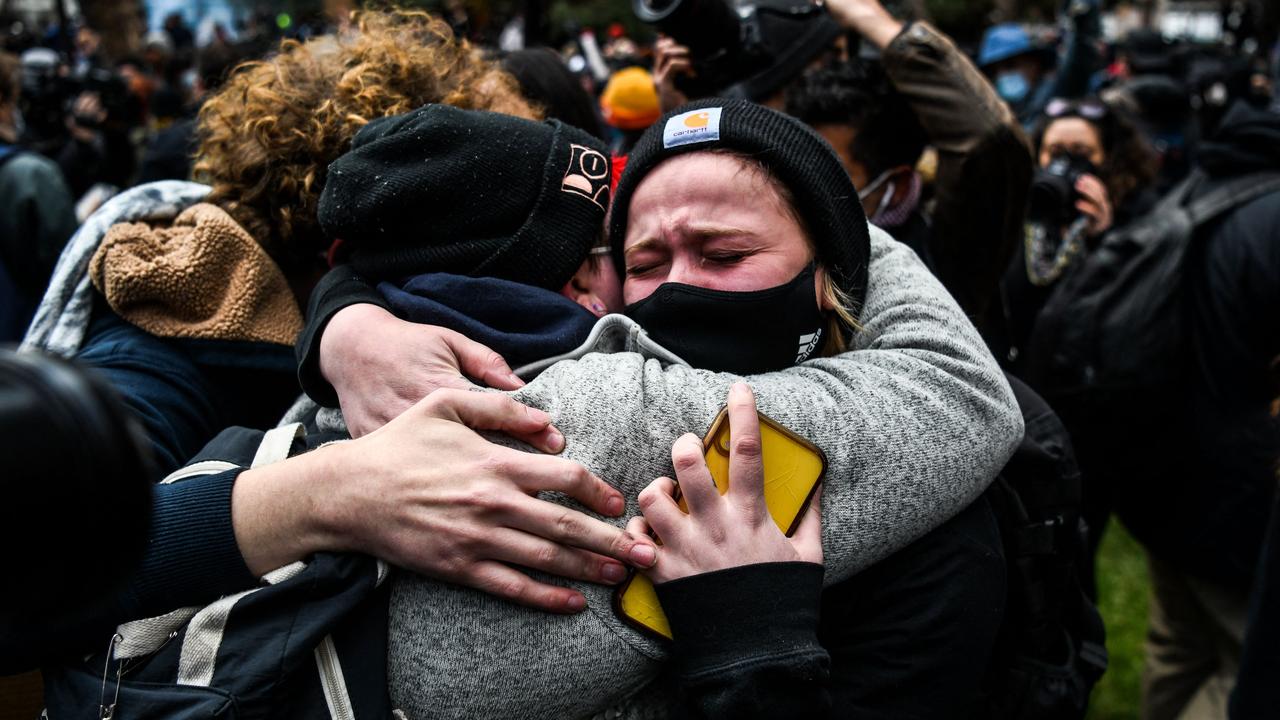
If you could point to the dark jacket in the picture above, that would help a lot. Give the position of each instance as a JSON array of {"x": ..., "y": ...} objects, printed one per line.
[
  {"x": 908, "y": 637},
  {"x": 1234, "y": 286},
  {"x": 37, "y": 217},
  {"x": 984, "y": 164}
]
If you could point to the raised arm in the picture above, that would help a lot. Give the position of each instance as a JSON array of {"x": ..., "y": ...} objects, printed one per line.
[{"x": 984, "y": 162}]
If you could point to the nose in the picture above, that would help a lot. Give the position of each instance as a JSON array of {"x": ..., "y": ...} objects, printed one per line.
[{"x": 683, "y": 270}]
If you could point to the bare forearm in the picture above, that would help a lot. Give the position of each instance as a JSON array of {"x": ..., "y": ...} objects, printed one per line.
[{"x": 284, "y": 512}]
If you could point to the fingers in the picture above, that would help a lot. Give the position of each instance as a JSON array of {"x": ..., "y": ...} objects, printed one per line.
[
  {"x": 491, "y": 411},
  {"x": 746, "y": 469},
  {"x": 1091, "y": 186},
  {"x": 638, "y": 526},
  {"x": 1094, "y": 192},
  {"x": 537, "y": 553},
  {"x": 482, "y": 363},
  {"x": 534, "y": 474},
  {"x": 1099, "y": 215},
  {"x": 696, "y": 485},
  {"x": 498, "y": 579},
  {"x": 566, "y": 526},
  {"x": 661, "y": 513}
]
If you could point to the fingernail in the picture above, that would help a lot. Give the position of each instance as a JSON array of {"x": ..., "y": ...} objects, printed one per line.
[
  {"x": 555, "y": 440},
  {"x": 615, "y": 505},
  {"x": 515, "y": 379},
  {"x": 537, "y": 415},
  {"x": 643, "y": 554},
  {"x": 576, "y": 603},
  {"x": 613, "y": 572}
]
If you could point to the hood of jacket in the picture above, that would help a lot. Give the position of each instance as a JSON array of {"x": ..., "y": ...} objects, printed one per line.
[
  {"x": 63, "y": 316},
  {"x": 1247, "y": 140},
  {"x": 200, "y": 277}
]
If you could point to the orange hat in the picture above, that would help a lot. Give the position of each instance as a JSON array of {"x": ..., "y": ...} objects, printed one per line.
[{"x": 629, "y": 100}]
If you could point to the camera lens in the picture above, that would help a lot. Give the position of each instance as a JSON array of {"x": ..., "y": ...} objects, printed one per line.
[{"x": 1053, "y": 193}]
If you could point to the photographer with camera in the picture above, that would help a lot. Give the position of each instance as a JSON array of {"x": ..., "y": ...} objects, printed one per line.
[
  {"x": 36, "y": 215},
  {"x": 709, "y": 49},
  {"x": 1095, "y": 172}
]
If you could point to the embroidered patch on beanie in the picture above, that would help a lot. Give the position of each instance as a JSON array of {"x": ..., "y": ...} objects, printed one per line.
[
  {"x": 588, "y": 175},
  {"x": 692, "y": 127}
]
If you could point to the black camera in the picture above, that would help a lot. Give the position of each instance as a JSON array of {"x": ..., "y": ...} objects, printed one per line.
[
  {"x": 1053, "y": 194},
  {"x": 730, "y": 41}
]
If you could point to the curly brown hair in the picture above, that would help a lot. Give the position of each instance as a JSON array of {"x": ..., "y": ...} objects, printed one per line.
[{"x": 267, "y": 137}]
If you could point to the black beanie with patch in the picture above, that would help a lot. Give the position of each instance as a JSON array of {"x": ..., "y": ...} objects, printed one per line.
[
  {"x": 469, "y": 192},
  {"x": 797, "y": 156}
]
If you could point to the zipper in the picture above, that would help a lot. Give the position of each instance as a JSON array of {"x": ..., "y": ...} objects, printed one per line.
[
  {"x": 204, "y": 467},
  {"x": 332, "y": 681}
]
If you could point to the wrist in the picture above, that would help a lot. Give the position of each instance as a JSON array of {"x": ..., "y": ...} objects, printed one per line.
[
  {"x": 871, "y": 21},
  {"x": 341, "y": 334},
  {"x": 284, "y": 512},
  {"x": 746, "y": 611}
]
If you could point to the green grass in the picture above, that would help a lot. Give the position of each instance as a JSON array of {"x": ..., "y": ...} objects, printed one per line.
[{"x": 1122, "y": 595}]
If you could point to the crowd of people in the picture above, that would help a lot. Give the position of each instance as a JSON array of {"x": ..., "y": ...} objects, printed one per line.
[{"x": 379, "y": 356}]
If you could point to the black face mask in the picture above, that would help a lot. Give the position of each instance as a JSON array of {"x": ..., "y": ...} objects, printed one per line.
[{"x": 737, "y": 332}]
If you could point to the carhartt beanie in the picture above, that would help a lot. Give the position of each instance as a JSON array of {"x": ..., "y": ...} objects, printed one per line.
[
  {"x": 468, "y": 192},
  {"x": 797, "y": 156}
]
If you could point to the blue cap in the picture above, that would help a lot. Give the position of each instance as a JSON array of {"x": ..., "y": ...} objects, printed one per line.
[{"x": 1002, "y": 42}]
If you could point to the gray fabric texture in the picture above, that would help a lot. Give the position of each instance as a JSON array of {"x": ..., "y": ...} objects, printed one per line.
[
  {"x": 916, "y": 420},
  {"x": 63, "y": 316}
]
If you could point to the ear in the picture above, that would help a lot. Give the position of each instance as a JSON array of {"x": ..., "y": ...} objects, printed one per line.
[{"x": 580, "y": 290}]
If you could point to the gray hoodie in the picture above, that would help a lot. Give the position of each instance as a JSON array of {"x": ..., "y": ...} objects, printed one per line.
[{"x": 916, "y": 420}]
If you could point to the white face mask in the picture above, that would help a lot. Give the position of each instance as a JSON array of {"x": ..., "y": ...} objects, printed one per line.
[{"x": 885, "y": 199}]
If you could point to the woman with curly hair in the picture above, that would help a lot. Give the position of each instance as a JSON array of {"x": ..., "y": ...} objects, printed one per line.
[
  {"x": 1095, "y": 175},
  {"x": 186, "y": 296}
]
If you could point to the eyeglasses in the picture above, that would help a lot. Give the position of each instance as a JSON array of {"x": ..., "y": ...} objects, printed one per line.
[{"x": 1087, "y": 109}]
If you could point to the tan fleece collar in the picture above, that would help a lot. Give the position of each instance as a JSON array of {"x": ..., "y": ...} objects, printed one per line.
[{"x": 202, "y": 277}]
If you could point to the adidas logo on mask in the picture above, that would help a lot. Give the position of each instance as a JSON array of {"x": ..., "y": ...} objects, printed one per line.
[{"x": 808, "y": 343}]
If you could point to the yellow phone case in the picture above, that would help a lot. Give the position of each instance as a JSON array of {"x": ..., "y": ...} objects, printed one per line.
[{"x": 793, "y": 467}]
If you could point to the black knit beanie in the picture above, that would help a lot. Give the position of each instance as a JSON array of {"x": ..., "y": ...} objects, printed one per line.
[
  {"x": 800, "y": 159},
  {"x": 468, "y": 192}
]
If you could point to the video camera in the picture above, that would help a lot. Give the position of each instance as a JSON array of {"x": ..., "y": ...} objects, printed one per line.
[
  {"x": 48, "y": 94},
  {"x": 754, "y": 46}
]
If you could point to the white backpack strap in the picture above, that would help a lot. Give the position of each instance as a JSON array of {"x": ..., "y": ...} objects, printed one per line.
[
  {"x": 276, "y": 444},
  {"x": 199, "y": 654},
  {"x": 143, "y": 637}
]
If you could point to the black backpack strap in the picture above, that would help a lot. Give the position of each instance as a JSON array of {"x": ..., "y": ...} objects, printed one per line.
[{"x": 1232, "y": 194}]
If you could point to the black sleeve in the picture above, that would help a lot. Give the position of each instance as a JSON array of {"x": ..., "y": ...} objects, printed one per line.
[
  {"x": 911, "y": 637},
  {"x": 191, "y": 558},
  {"x": 746, "y": 642},
  {"x": 341, "y": 287}
]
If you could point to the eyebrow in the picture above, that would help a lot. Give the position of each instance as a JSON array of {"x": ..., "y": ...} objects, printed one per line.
[{"x": 704, "y": 231}]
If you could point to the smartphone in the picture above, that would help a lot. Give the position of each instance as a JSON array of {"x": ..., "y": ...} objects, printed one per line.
[{"x": 793, "y": 467}]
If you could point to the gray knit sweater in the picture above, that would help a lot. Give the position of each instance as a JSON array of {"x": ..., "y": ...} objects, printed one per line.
[{"x": 916, "y": 420}]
